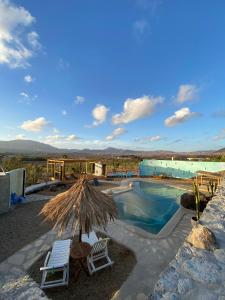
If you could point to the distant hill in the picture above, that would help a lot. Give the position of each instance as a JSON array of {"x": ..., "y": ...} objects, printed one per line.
[
  {"x": 26, "y": 146},
  {"x": 222, "y": 151},
  {"x": 33, "y": 147}
]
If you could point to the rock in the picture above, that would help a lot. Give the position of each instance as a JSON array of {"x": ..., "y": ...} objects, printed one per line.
[
  {"x": 204, "y": 272},
  {"x": 220, "y": 255},
  {"x": 168, "y": 281},
  {"x": 203, "y": 238},
  {"x": 187, "y": 200},
  {"x": 184, "y": 285},
  {"x": 171, "y": 296}
]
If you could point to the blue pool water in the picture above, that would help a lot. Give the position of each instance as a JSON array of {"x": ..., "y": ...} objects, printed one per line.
[{"x": 149, "y": 205}]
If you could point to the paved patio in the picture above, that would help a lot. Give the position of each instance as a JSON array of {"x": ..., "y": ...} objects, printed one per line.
[{"x": 153, "y": 255}]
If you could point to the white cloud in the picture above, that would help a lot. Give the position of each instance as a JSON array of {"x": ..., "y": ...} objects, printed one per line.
[
  {"x": 79, "y": 99},
  {"x": 64, "y": 112},
  {"x": 28, "y": 78},
  {"x": 117, "y": 132},
  {"x": 58, "y": 139},
  {"x": 146, "y": 139},
  {"x": 155, "y": 138},
  {"x": 55, "y": 130},
  {"x": 55, "y": 137},
  {"x": 140, "y": 27},
  {"x": 13, "y": 23},
  {"x": 135, "y": 109},
  {"x": 26, "y": 98},
  {"x": 99, "y": 114},
  {"x": 72, "y": 137},
  {"x": 20, "y": 137},
  {"x": 187, "y": 92},
  {"x": 220, "y": 136},
  {"x": 23, "y": 94},
  {"x": 63, "y": 64},
  {"x": 33, "y": 40},
  {"x": 179, "y": 116},
  {"x": 35, "y": 125}
]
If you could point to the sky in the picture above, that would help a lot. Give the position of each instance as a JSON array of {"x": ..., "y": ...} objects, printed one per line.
[{"x": 131, "y": 74}]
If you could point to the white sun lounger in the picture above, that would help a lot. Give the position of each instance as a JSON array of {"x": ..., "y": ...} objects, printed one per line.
[
  {"x": 90, "y": 238},
  {"x": 99, "y": 252},
  {"x": 57, "y": 260}
]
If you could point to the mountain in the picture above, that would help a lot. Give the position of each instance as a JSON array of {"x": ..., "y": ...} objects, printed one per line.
[
  {"x": 32, "y": 147},
  {"x": 26, "y": 146},
  {"x": 221, "y": 151}
]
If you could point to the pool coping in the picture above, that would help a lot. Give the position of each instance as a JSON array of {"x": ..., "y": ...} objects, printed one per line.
[{"x": 167, "y": 229}]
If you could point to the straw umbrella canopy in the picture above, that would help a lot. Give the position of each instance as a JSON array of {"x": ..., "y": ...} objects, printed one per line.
[{"x": 82, "y": 206}]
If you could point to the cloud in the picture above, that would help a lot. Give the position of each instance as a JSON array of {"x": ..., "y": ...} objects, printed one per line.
[
  {"x": 147, "y": 139},
  {"x": 79, "y": 100},
  {"x": 35, "y": 125},
  {"x": 57, "y": 139},
  {"x": 64, "y": 112},
  {"x": 187, "y": 92},
  {"x": 220, "y": 136},
  {"x": 55, "y": 130},
  {"x": 14, "y": 21},
  {"x": 155, "y": 138},
  {"x": 20, "y": 137},
  {"x": 28, "y": 78},
  {"x": 63, "y": 64},
  {"x": 33, "y": 40},
  {"x": 180, "y": 116},
  {"x": 99, "y": 114},
  {"x": 116, "y": 133},
  {"x": 26, "y": 98},
  {"x": 140, "y": 27},
  {"x": 72, "y": 137},
  {"x": 151, "y": 5},
  {"x": 135, "y": 109}
]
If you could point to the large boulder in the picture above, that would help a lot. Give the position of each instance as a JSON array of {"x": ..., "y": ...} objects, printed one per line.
[
  {"x": 201, "y": 237},
  {"x": 187, "y": 200}
]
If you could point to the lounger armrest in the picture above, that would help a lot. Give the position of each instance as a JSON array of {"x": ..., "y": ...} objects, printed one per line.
[
  {"x": 52, "y": 268},
  {"x": 47, "y": 259}
]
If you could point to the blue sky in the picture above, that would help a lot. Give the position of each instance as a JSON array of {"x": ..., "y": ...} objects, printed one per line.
[{"x": 137, "y": 74}]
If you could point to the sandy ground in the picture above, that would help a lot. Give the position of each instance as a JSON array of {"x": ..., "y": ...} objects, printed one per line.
[
  {"x": 101, "y": 285},
  {"x": 21, "y": 226}
]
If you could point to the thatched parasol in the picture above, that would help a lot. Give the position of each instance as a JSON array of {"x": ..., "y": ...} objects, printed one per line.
[{"x": 81, "y": 206}]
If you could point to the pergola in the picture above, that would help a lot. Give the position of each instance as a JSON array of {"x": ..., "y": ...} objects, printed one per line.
[
  {"x": 209, "y": 175},
  {"x": 57, "y": 167}
]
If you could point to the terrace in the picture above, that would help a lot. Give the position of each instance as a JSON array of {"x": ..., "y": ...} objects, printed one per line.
[{"x": 139, "y": 256}]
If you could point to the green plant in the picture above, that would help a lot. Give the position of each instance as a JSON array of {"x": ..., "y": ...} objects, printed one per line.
[
  {"x": 212, "y": 187},
  {"x": 197, "y": 199}
]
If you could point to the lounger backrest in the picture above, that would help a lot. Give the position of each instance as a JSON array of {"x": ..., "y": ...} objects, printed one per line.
[
  {"x": 60, "y": 253},
  {"x": 100, "y": 246},
  {"x": 90, "y": 238}
]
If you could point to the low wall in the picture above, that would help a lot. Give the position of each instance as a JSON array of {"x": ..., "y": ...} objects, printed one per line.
[
  {"x": 178, "y": 168},
  {"x": 196, "y": 273},
  {"x": 11, "y": 182},
  {"x": 17, "y": 178},
  {"x": 4, "y": 193}
]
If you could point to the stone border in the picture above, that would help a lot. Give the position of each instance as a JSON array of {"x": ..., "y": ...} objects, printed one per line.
[{"x": 197, "y": 273}]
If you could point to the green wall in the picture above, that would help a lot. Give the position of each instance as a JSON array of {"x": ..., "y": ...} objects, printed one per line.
[{"x": 178, "y": 168}]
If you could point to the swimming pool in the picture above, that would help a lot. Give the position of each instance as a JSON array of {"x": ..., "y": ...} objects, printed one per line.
[{"x": 149, "y": 205}]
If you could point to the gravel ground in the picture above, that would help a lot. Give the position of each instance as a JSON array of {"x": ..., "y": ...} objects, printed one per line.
[
  {"x": 23, "y": 225},
  {"x": 20, "y": 227},
  {"x": 102, "y": 285}
]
